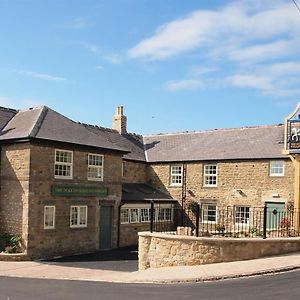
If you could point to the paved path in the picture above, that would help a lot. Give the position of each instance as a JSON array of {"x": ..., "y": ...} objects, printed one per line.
[{"x": 54, "y": 270}]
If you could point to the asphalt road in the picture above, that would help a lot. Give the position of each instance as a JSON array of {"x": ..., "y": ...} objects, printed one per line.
[{"x": 282, "y": 286}]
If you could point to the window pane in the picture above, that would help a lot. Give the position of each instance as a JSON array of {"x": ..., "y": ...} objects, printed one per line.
[
  {"x": 242, "y": 214},
  {"x": 168, "y": 214},
  {"x": 277, "y": 168},
  {"x": 134, "y": 215},
  {"x": 63, "y": 163},
  {"x": 95, "y": 160},
  {"x": 74, "y": 215},
  {"x": 63, "y": 156},
  {"x": 95, "y": 166},
  {"x": 124, "y": 215},
  {"x": 145, "y": 214},
  {"x": 49, "y": 216},
  {"x": 161, "y": 214},
  {"x": 82, "y": 215},
  {"x": 176, "y": 175},
  {"x": 209, "y": 213},
  {"x": 210, "y": 175}
]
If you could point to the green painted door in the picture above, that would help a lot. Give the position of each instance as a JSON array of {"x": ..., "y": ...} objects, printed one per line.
[
  {"x": 275, "y": 213},
  {"x": 105, "y": 227}
]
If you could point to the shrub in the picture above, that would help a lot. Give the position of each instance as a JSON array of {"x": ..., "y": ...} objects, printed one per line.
[
  {"x": 285, "y": 223},
  {"x": 220, "y": 228},
  {"x": 10, "y": 243}
]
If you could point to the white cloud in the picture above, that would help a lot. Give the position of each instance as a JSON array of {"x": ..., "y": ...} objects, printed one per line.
[
  {"x": 113, "y": 58},
  {"x": 188, "y": 84},
  {"x": 280, "y": 69},
  {"x": 237, "y": 21},
  {"x": 263, "y": 52},
  {"x": 252, "y": 81},
  {"x": 266, "y": 84},
  {"x": 253, "y": 43},
  {"x": 43, "y": 76},
  {"x": 199, "y": 70}
]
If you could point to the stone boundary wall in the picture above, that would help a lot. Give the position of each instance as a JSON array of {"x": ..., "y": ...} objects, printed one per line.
[
  {"x": 14, "y": 257},
  {"x": 158, "y": 250}
]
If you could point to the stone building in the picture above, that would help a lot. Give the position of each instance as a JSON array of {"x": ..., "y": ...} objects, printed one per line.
[{"x": 70, "y": 187}]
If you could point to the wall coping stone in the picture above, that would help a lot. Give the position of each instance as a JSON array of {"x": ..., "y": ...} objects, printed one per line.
[{"x": 216, "y": 239}]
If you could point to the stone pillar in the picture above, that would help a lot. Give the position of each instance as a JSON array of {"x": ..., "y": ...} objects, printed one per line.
[
  {"x": 119, "y": 121},
  {"x": 296, "y": 163}
]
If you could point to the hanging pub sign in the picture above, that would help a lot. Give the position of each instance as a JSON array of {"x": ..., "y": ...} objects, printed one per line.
[{"x": 292, "y": 132}]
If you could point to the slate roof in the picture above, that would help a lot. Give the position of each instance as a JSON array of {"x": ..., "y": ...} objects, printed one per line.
[
  {"x": 5, "y": 115},
  {"x": 136, "y": 192},
  {"x": 46, "y": 124},
  {"x": 223, "y": 144},
  {"x": 132, "y": 142},
  {"x": 262, "y": 142}
]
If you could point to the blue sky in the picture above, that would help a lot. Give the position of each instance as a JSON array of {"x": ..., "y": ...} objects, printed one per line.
[{"x": 175, "y": 65}]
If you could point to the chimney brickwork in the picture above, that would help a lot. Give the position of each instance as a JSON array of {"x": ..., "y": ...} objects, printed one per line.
[{"x": 120, "y": 121}]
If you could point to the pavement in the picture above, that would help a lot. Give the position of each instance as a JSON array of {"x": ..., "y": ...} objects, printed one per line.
[{"x": 77, "y": 269}]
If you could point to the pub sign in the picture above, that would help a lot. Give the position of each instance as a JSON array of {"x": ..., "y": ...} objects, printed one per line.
[
  {"x": 292, "y": 131},
  {"x": 78, "y": 191}
]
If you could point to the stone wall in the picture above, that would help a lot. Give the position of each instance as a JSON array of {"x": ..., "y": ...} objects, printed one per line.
[
  {"x": 158, "y": 250},
  {"x": 134, "y": 172},
  {"x": 64, "y": 240},
  {"x": 129, "y": 233},
  {"x": 15, "y": 165},
  {"x": 250, "y": 177}
]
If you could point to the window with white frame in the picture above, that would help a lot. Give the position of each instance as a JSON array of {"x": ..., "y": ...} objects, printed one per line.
[
  {"x": 209, "y": 213},
  {"x": 145, "y": 214},
  {"x": 142, "y": 214},
  {"x": 164, "y": 214},
  {"x": 176, "y": 175},
  {"x": 49, "y": 217},
  {"x": 210, "y": 175},
  {"x": 276, "y": 168},
  {"x": 63, "y": 167},
  {"x": 124, "y": 215},
  {"x": 78, "y": 216},
  {"x": 242, "y": 215},
  {"x": 134, "y": 215},
  {"x": 95, "y": 167}
]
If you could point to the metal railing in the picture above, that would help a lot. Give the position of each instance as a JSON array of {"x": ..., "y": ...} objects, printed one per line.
[{"x": 231, "y": 221}]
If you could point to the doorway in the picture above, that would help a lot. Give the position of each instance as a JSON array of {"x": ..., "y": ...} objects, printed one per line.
[
  {"x": 275, "y": 214},
  {"x": 105, "y": 227}
]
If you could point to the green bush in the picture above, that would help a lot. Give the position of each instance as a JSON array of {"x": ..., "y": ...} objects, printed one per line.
[{"x": 10, "y": 243}]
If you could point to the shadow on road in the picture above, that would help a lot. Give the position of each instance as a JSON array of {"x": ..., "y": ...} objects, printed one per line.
[{"x": 121, "y": 259}]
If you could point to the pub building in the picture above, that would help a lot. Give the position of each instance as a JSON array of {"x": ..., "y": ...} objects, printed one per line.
[{"x": 69, "y": 187}]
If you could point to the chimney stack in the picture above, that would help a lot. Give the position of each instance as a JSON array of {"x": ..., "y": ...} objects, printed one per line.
[{"x": 119, "y": 121}]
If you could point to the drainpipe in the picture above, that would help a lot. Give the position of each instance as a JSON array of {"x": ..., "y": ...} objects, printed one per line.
[
  {"x": 119, "y": 224},
  {"x": 183, "y": 191}
]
